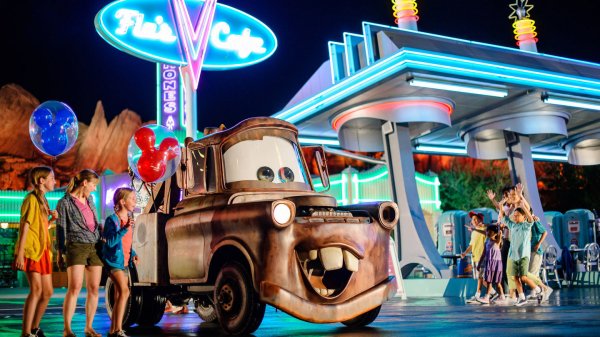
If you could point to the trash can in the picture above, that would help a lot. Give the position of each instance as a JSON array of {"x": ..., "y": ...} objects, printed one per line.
[
  {"x": 464, "y": 268},
  {"x": 555, "y": 223},
  {"x": 451, "y": 232},
  {"x": 577, "y": 228}
]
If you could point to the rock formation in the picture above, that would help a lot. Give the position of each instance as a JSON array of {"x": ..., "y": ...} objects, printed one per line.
[{"x": 100, "y": 146}]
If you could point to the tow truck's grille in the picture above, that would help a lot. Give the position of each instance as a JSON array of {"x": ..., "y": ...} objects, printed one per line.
[{"x": 331, "y": 214}]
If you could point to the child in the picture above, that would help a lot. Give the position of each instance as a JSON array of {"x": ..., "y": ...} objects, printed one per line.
[
  {"x": 492, "y": 261},
  {"x": 118, "y": 254},
  {"x": 32, "y": 253},
  {"x": 520, "y": 247},
  {"x": 476, "y": 247}
]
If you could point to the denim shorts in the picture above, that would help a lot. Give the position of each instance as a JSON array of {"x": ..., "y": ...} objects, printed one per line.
[{"x": 114, "y": 270}]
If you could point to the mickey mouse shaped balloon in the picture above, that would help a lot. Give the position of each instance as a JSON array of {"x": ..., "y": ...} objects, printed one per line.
[
  {"x": 153, "y": 153},
  {"x": 53, "y": 128}
]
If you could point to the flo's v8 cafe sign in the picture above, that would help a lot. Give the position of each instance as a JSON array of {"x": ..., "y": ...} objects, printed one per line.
[{"x": 147, "y": 29}]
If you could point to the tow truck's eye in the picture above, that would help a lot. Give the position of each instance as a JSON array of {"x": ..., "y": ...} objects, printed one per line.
[
  {"x": 286, "y": 175},
  {"x": 265, "y": 173}
]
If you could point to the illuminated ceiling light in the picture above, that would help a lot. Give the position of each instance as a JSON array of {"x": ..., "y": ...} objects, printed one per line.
[
  {"x": 572, "y": 101},
  {"x": 467, "y": 87},
  {"x": 318, "y": 141},
  {"x": 549, "y": 156},
  {"x": 441, "y": 149},
  {"x": 4, "y": 225}
]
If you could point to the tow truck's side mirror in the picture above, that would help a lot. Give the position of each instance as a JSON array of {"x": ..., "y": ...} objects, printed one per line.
[
  {"x": 322, "y": 165},
  {"x": 317, "y": 153}
]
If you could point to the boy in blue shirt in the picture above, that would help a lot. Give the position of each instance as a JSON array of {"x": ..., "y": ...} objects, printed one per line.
[{"x": 519, "y": 224}]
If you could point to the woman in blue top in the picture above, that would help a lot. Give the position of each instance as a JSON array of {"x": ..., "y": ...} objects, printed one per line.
[{"x": 118, "y": 253}]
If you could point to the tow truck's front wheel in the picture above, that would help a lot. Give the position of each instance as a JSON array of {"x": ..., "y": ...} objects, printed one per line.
[{"x": 238, "y": 308}]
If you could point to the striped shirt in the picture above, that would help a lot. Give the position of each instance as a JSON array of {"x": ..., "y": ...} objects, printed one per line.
[
  {"x": 520, "y": 239},
  {"x": 71, "y": 225}
]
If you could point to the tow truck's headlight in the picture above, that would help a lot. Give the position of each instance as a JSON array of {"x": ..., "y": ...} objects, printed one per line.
[{"x": 283, "y": 212}]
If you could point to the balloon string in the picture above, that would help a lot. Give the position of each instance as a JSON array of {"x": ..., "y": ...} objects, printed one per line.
[{"x": 151, "y": 190}]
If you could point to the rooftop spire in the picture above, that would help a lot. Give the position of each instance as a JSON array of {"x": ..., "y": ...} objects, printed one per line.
[
  {"x": 405, "y": 12},
  {"x": 524, "y": 27}
]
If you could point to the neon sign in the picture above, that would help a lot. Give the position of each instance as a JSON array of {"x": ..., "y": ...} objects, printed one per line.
[
  {"x": 150, "y": 30},
  {"x": 170, "y": 96}
]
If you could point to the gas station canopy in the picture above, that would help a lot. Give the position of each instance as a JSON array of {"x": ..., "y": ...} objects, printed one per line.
[{"x": 484, "y": 90}]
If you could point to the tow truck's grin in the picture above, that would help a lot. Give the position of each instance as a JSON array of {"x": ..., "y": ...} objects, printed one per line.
[{"x": 328, "y": 270}]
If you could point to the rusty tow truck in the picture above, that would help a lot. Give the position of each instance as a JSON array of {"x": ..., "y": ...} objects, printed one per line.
[{"x": 243, "y": 227}]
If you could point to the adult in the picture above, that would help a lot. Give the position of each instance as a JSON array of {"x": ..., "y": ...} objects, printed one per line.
[{"x": 78, "y": 234}]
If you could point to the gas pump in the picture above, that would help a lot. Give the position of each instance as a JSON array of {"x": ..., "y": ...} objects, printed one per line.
[
  {"x": 577, "y": 233},
  {"x": 451, "y": 232},
  {"x": 555, "y": 223}
]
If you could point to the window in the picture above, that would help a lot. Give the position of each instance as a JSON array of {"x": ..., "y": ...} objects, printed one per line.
[{"x": 195, "y": 168}]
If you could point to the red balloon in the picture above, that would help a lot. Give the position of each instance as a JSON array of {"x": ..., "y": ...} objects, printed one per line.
[
  {"x": 169, "y": 147},
  {"x": 151, "y": 166},
  {"x": 145, "y": 139}
]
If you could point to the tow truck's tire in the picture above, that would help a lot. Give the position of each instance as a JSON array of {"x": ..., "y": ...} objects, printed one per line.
[
  {"x": 237, "y": 304},
  {"x": 134, "y": 302},
  {"x": 152, "y": 308},
  {"x": 206, "y": 310},
  {"x": 364, "y": 319}
]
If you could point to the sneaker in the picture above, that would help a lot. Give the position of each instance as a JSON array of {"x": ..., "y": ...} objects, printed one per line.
[
  {"x": 501, "y": 301},
  {"x": 473, "y": 300},
  {"x": 120, "y": 333},
  {"x": 520, "y": 302},
  {"x": 38, "y": 332},
  {"x": 175, "y": 309},
  {"x": 483, "y": 300},
  {"x": 498, "y": 301},
  {"x": 494, "y": 297},
  {"x": 530, "y": 295},
  {"x": 547, "y": 293}
]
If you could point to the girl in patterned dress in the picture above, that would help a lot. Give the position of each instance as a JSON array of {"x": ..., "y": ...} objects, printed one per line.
[{"x": 492, "y": 262}]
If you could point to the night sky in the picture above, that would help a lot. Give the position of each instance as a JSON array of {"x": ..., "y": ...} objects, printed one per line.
[{"x": 51, "y": 48}]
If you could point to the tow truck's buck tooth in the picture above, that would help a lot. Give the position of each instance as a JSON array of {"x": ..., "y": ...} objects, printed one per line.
[
  {"x": 331, "y": 258},
  {"x": 350, "y": 261}
]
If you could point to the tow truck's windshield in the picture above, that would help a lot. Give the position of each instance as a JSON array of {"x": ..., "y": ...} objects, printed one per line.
[{"x": 270, "y": 162}]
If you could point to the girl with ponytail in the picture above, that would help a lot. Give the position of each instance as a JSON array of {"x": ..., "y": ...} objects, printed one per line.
[
  {"x": 78, "y": 236},
  {"x": 32, "y": 252}
]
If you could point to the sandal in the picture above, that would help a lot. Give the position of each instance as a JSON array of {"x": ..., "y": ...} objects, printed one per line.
[
  {"x": 70, "y": 334},
  {"x": 38, "y": 332},
  {"x": 91, "y": 334}
]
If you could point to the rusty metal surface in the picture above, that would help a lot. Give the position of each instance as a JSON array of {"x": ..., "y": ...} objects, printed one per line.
[{"x": 325, "y": 257}]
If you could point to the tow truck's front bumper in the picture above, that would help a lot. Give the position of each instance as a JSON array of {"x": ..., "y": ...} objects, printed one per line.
[{"x": 326, "y": 313}]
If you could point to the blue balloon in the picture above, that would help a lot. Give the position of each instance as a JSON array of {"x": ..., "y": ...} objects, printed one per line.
[{"x": 53, "y": 128}]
